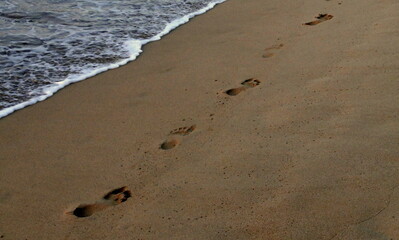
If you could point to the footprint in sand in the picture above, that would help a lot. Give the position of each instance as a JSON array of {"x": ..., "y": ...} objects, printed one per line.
[
  {"x": 112, "y": 198},
  {"x": 249, "y": 83},
  {"x": 268, "y": 51},
  {"x": 174, "y": 141},
  {"x": 321, "y": 18}
]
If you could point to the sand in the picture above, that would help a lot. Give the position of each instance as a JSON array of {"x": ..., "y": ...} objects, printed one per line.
[{"x": 310, "y": 152}]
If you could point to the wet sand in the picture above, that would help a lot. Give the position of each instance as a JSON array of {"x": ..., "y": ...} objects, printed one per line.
[{"x": 256, "y": 120}]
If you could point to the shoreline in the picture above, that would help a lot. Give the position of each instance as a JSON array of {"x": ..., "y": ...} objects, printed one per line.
[
  {"x": 308, "y": 152},
  {"x": 134, "y": 46}
]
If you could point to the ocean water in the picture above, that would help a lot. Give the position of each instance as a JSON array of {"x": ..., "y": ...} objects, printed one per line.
[{"x": 48, "y": 44}]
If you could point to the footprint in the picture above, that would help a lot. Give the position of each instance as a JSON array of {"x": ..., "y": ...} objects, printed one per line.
[
  {"x": 320, "y": 18},
  {"x": 173, "y": 141},
  {"x": 252, "y": 82},
  {"x": 249, "y": 83},
  {"x": 183, "y": 130},
  {"x": 118, "y": 195},
  {"x": 112, "y": 198},
  {"x": 268, "y": 54},
  {"x": 169, "y": 144},
  {"x": 235, "y": 91}
]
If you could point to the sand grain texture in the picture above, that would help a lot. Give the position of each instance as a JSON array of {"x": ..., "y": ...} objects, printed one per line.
[{"x": 310, "y": 153}]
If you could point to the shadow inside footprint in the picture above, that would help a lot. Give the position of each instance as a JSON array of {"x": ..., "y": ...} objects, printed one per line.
[
  {"x": 87, "y": 210},
  {"x": 249, "y": 83},
  {"x": 235, "y": 91},
  {"x": 118, "y": 195},
  {"x": 112, "y": 198},
  {"x": 182, "y": 131},
  {"x": 268, "y": 54},
  {"x": 252, "y": 82},
  {"x": 321, "y": 18},
  {"x": 169, "y": 144}
]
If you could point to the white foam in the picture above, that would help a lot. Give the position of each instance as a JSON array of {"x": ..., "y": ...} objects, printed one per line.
[{"x": 135, "y": 48}]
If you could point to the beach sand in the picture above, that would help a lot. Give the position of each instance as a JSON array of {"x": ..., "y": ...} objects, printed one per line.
[{"x": 308, "y": 151}]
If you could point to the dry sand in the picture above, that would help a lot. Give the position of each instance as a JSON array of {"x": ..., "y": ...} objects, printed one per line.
[{"x": 309, "y": 153}]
